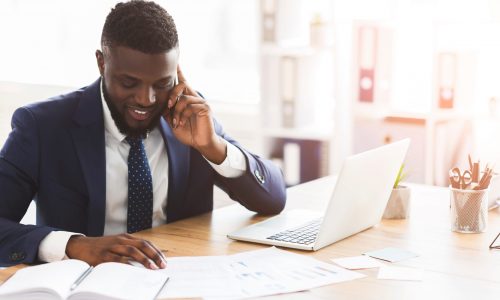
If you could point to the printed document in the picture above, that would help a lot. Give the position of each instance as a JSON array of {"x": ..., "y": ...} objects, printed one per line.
[{"x": 249, "y": 274}]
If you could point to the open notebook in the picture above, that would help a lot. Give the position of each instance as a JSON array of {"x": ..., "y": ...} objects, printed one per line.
[{"x": 106, "y": 281}]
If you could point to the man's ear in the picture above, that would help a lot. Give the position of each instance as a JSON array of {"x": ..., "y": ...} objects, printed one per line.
[{"x": 100, "y": 61}]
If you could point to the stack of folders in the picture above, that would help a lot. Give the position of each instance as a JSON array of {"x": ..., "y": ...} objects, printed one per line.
[{"x": 75, "y": 279}]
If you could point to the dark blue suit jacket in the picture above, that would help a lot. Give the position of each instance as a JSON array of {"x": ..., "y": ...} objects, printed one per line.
[{"x": 55, "y": 155}]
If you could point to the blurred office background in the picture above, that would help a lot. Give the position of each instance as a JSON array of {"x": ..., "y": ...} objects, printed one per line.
[{"x": 303, "y": 82}]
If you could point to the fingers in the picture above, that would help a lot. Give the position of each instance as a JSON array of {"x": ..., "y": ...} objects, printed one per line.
[
  {"x": 182, "y": 81},
  {"x": 160, "y": 253},
  {"x": 109, "y": 256},
  {"x": 181, "y": 88},
  {"x": 186, "y": 107},
  {"x": 197, "y": 109},
  {"x": 132, "y": 252},
  {"x": 142, "y": 251},
  {"x": 176, "y": 92},
  {"x": 119, "y": 248}
]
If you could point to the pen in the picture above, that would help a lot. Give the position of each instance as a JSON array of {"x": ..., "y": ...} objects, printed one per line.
[
  {"x": 81, "y": 278},
  {"x": 162, "y": 287}
]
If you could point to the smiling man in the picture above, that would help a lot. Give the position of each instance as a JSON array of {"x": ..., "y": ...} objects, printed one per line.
[{"x": 137, "y": 148}]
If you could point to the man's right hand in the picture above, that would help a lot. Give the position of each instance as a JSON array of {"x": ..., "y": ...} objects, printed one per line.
[{"x": 117, "y": 248}]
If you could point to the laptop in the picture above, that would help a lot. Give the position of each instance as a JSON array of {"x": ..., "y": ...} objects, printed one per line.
[{"x": 357, "y": 203}]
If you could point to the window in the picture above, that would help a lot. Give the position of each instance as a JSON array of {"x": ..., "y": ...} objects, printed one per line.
[{"x": 53, "y": 43}]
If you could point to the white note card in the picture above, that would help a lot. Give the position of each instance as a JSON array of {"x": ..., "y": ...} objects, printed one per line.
[
  {"x": 357, "y": 262},
  {"x": 391, "y": 254}
]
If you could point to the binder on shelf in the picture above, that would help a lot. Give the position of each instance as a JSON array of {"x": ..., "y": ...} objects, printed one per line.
[
  {"x": 312, "y": 158},
  {"x": 367, "y": 53},
  {"x": 447, "y": 72},
  {"x": 288, "y": 92},
  {"x": 301, "y": 160},
  {"x": 291, "y": 158},
  {"x": 268, "y": 24},
  {"x": 373, "y": 62}
]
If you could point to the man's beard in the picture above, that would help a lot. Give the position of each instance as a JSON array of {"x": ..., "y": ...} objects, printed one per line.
[{"x": 122, "y": 125}]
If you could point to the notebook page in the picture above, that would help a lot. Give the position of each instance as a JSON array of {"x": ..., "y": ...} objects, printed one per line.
[
  {"x": 56, "y": 276},
  {"x": 119, "y": 281}
]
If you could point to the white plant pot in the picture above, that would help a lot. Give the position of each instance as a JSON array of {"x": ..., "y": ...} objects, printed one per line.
[{"x": 398, "y": 206}]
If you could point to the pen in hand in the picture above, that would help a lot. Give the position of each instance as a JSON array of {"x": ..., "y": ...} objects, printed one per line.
[{"x": 81, "y": 278}]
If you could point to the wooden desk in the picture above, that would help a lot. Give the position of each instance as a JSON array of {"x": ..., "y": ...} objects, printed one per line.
[{"x": 457, "y": 266}]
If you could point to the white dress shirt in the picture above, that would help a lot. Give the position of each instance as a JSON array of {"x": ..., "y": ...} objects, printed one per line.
[{"x": 53, "y": 246}]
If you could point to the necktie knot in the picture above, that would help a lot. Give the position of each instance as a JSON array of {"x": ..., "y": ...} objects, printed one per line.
[{"x": 133, "y": 141}]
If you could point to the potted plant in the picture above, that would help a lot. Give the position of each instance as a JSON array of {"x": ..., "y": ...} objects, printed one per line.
[{"x": 398, "y": 206}]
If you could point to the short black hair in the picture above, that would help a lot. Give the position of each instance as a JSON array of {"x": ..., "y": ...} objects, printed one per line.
[{"x": 141, "y": 25}]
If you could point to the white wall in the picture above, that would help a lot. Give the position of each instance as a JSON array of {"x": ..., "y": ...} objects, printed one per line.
[{"x": 53, "y": 42}]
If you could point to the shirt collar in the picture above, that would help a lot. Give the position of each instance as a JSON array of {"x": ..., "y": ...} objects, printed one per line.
[{"x": 109, "y": 123}]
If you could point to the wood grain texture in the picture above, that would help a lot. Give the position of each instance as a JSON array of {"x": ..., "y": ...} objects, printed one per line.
[{"x": 456, "y": 266}]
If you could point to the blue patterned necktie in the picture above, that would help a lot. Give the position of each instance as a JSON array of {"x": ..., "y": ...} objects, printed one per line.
[{"x": 140, "y": 188}]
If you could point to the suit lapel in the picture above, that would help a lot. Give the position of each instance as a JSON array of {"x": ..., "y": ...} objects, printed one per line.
[
  {"x": 88, "y": 136},
  {"x": 178, "y": 170}
]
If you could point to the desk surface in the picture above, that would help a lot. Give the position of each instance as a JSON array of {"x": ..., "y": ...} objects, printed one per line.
[{"x": 457, "y": 266}]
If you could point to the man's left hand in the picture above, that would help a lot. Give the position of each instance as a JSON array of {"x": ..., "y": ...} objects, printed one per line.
[{"x": 191, "y": 120}]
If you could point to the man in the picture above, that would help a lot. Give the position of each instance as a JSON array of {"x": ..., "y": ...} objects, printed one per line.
[{"x": 133, "y": 150}]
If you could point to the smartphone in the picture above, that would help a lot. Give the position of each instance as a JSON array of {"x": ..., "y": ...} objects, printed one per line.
[{"x": 172, "y": 109}]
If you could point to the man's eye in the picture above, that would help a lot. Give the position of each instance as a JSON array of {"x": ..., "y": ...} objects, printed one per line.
[
  {"x": 167, "y": 85},
  {"x": 128, "y": 84}
]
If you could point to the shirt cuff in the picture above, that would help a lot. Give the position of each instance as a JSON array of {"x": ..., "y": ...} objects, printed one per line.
[
  {"x": 53, "y": 246},
  {"x": 234, "y": 165}
]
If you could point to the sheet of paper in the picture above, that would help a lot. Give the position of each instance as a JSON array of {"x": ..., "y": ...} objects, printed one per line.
[
  {"x": 400, "y": 273},
  {"x": 357, "y": 262},
  {"x": 391, "y": 254},
  {"x": 249, "y": 274},
  {"x": 202, "y": 276}
]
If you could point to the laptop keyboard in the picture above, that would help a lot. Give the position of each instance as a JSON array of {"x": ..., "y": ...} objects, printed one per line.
[{"x": 302, "y": 235}]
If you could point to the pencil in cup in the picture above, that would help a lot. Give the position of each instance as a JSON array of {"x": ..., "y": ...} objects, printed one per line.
[{"x": 468, "y": 210}]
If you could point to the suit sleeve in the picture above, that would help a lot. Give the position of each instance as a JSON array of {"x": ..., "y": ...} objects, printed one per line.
[
  {"x": 261, "y": 188},
  {"x": 18, "y": 185}
]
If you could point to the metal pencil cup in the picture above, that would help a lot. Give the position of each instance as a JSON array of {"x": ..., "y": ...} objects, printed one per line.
[{"x": 469, "y": 210}]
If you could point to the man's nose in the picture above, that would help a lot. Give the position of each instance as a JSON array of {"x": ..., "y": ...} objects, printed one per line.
[{"x": 147, "y": 96}]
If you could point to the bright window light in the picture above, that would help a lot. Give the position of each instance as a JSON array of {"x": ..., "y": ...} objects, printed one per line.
[{"x": 53, "y": 43}]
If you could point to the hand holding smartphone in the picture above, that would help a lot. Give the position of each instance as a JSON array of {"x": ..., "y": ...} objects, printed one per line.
[{"x": 172, "y": 109}]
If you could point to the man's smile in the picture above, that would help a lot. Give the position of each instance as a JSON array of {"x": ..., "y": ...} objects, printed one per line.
[{"x": 139, "y": 113}]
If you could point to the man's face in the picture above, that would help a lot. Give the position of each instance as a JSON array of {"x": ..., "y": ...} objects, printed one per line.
[{"x": 136, "y": 86}]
